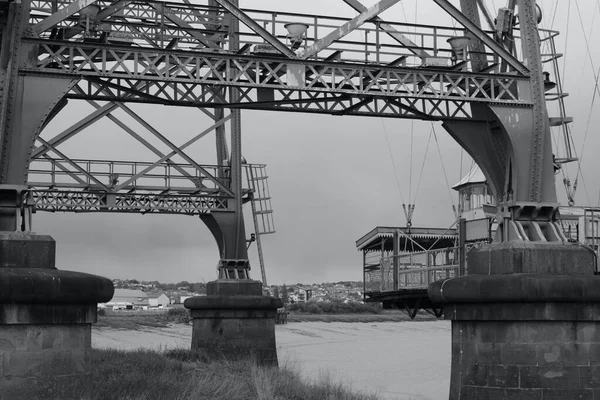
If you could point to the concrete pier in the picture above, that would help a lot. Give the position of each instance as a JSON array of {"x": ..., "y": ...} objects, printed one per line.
[
  {"x": 45, "y": 318},
  {"x": 234, "y": 321},
  {"x": 524, "y": 335}
]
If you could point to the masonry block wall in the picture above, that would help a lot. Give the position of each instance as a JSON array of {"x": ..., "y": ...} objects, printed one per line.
[
  {"x": 525, "y": 360},
  {"x": 39, "y": 359}
]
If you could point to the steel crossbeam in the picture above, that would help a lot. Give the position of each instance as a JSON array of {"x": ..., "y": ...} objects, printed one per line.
[
  {"x": 78, "y": 186},
  {"x": 186, "y": 78},
  {"x": 90, "y": 201},
  {"x": 181, "y": 54},
  {"x": 293, "y": 100},
  {"x": 348, "y": 27},
  {"x": 390, "y": 30},
  {"x": 61, "y": 15}
]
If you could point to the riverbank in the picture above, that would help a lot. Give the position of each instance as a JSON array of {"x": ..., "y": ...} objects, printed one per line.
[{"x": 407, "y": 360}]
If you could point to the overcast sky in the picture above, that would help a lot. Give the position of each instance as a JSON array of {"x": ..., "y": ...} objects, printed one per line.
[{"x": 331, "y": 178}]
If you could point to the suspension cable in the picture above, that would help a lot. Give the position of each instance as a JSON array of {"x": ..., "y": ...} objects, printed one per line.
[
  {"x": 595, "y": 93},
  {"x": 387, "y": 140},
  {"x": 443, "y": 167},
  {"x": 412, "y": 134},
  {"x": 422, "y": 169}
]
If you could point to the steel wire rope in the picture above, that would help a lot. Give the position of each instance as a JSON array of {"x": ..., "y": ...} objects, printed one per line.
[
  {"x": 422, "y": 169},
  {"x": 412, "y": 135},
  {"x": 462, "y": 152},
  {"x": 556, "y": 135},
  {"x": 387, "y": 140},
  {"x": 553, "y": 6},
  {"x": 444, "y": 167},
  {"x": 564, "y": 173},
  {"x": 596, "y": 92}
]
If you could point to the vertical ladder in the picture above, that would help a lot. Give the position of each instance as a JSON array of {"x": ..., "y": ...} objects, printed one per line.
[
  {"x": 562, "y": 120},
  {"x": 262, "y": 212}
]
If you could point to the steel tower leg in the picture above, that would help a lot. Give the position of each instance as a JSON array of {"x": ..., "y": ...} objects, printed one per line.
[
  {"x": 45, "y": 314},
  {"x": 234, "y": 320},
  {"x": 529, "y": 305}
]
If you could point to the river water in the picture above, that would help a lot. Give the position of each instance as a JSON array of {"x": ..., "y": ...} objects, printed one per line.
[{"x": 396, "y": 360}]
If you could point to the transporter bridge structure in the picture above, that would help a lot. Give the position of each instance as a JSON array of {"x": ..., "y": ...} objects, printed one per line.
[{"x": 476, "y": 76}]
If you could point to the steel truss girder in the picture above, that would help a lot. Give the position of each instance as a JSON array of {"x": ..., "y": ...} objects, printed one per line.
[
  {"x": 147, "y": 11},
  {"x": 90, "y": 201},
  {"x": 127, "y": 176},
  {"x": 256, "y": 27},
  {"x": 483, "y": 36},
  {"x": 94, "y": 185},
  {"x": 61, "y": 15},
  {"x": 278, "y": 100},
  {"x": 67, "y": 59},
  {"x": 346, "y": 28}
]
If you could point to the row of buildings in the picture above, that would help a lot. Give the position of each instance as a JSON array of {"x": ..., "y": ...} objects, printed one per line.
[
  {"x": 144, "y": 297},
  {"x": 129, "y": 299},
  {"x": 299, "y": 293}
]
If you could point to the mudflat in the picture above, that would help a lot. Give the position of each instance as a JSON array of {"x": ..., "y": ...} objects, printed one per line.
[{"x": 397, "y": 360}]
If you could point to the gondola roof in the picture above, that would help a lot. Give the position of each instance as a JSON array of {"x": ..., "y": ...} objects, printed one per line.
[{"x": 413, "y": 239}]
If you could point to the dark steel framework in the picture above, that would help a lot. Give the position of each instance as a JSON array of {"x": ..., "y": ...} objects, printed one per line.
[{"x": 215, "y": 56}]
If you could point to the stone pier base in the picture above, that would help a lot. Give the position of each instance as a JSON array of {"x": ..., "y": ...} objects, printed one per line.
[
  {"x": 45, "y": 329},
  {"x": 523, "y": 336},
  {"x": 41, "y": 360},
  {"x": 235, "y": 322}
]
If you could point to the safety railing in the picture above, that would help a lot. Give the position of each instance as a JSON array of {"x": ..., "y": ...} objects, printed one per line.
[
  {"x": 196, "y": 26},
  {"x": 138, "y": 176},
  {"x": 414, "y": 270}
]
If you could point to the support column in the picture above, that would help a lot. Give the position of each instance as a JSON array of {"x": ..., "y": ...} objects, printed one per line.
[
  {"x": 234, "y": 320},
  {"x": 45, "y": 314},
  {"x": 525, "y": 320}
]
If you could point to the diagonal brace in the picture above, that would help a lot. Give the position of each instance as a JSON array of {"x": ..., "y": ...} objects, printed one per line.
[
  {"x": 346, "y": 28},
  {"x": 174, "y": 148},
  {"x": 171, "y": 154},
  {"x": 61, "y": 15},
  {"x": 133, "y": 134},
  {"x": 390, "y": 30},
  {"x": 250, "y": 23},
  {"x": 58, "y": 164},
  {"x": 72, "y": 163},
  {"x": 160, "y": 8},
  {"x": 75, "y": 129},
  {"x": 481, "y": 35}
]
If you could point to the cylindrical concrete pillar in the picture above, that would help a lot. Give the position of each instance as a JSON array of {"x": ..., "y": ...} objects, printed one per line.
[
  {"x": 235, "y": 321},
  {"x": 523, "y": 336},
  {"x": 45, "y": 318}
]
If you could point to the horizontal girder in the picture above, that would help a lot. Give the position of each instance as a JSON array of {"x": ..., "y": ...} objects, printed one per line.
[
  {"x": 179, "y": 94},
  {"x": 90, "y": 201},
  {"x": 186, "y": 26},
  {"x": 191, "y": 78},
  {"x": 138, "y": 187},
  {"x": 89, "y": 60},
  {"x": 180, "y": 54},
  {"x": 124, "y": 176}
]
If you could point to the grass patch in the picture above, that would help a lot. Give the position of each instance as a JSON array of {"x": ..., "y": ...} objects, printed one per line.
[
  {"x": 179, "y": 375},
  {"x": 131, "y": 320},
  {"x": 140, "y": 319},
  {"x": 336, "y": 307},
  {"x": 383, "y": 316}
]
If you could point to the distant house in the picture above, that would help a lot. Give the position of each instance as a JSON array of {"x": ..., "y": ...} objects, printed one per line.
[
  {"x": 128, "y": 297},
  {"x": 158, "y": 300}
]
